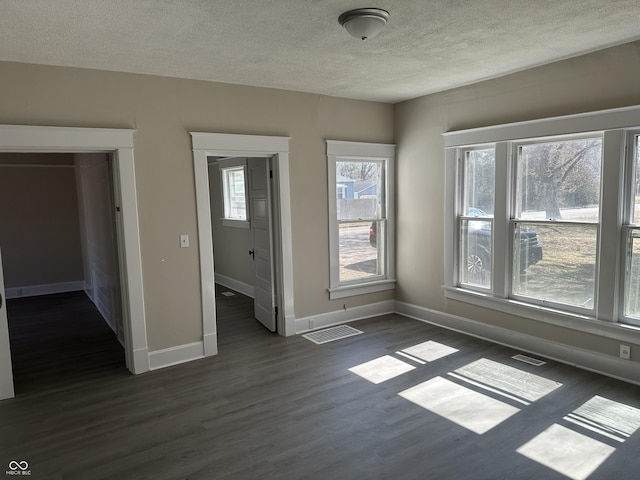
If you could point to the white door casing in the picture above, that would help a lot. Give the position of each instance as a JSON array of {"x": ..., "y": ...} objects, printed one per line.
[
  {"x": 261, "y": 231},
  {"x": 118, "y": 142},
  {"x": 251, "y": 146},
  {"x": 6, "y": 372}
]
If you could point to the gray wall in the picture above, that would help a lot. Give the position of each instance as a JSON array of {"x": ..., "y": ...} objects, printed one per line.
[
  {"x": 39, "y": 229},
  {"x": 601, "y": 80},
  {"x": 97, "y": 231},
  {"x": 163, "y": 111}
]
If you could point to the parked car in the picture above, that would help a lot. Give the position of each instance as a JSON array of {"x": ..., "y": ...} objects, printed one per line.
[{"x": 479, "y": 247}]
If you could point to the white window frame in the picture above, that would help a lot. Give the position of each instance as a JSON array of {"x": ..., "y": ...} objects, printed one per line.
[
  {"x": 225, "y": 165},
  {"x": 461, "y": 218},
  {"x": 514, "y": 221},
  {"x": 616, "y": 127},
  {"x": 628, "y": 226},
  {"x": 340, "y": 151}
]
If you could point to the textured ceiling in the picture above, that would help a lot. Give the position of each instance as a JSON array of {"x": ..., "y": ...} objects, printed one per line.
[{"x": 427, "y": 46}]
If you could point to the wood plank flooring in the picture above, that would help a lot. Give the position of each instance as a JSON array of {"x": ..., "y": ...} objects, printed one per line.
[{"x": 268, "y": 407}]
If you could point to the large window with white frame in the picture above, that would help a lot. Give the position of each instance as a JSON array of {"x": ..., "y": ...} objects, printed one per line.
[
  {"x": 361, "y": 217},
  {"x": 542, "y": 219}
]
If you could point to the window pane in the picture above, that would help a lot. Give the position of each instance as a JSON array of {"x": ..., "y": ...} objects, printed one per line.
[
  {"x": 475, "y": 255},
  {"x": 359, "y": 190},
  {"x": 234, "y": 195},
  {"x": 566, "y": 272},
  {"x": 632, "y": 284},
  {"x": 361, "y": 245},
  {"x": 479, "y": 183},
  {"x": 635, "y": 211},
  {"x": 560, "y": 180}
]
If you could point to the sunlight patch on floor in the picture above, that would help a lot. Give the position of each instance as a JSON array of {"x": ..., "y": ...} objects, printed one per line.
[
  {"x": 465, "y": 407},
  {"x": 567, "y": 452},
  {"x": 577, "y": 455},
  {"x": 508, "y": 381},
  {"x": 381, "y": 369},
  {"x": 428, "y": 351},
  {"x": 612, "y": 419}
]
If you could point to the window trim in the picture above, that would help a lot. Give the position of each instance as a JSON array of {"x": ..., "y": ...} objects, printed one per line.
[
  {"x": 229, "y": 164},
  {"x": 358, "y": 151},
  {"x": 616, "y": 127}
]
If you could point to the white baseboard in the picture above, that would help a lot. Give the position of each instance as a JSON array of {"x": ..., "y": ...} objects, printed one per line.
[
  {"x": 313, "y": 322},
  {"x": 175, "y": 355},
  {"x": 45, "y": 289},
  {"x": 585, "y": 359},
  {"x": 210, "y": 344},
  {"x": 140, "y": 360},
  {"x": 236, "y": 285}
]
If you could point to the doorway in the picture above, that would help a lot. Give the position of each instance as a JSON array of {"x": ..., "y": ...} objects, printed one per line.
[
  {"x": 242, "y": 228},
  {"x": 118, "y": 144},
  {"x": 60, "y": 262},
  {"x": 207, "y": 145}
]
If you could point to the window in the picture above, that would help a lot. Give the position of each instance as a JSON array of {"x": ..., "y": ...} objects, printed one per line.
[
  {"x": 360, "y": 216},
  {"x": 476, "y": 223},
  {"x": 557, "y": 206},
  {"x": 234, "y": 192},
  {"x": 632, "y": 233},
  {"x": 542, "y": 219}
]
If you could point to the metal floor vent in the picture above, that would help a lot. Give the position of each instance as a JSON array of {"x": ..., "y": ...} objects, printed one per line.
[
  {"x": 529, "y": 360},
  {"x": 228, "y": 294},
  {"x": 331, "y": 334}
]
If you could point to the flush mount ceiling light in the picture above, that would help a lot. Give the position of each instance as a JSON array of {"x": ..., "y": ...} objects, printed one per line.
[{"x": 364, "y": 23}]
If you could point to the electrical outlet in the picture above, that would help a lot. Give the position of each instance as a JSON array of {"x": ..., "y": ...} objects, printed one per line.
[
  {"x": 311, "y": 324},
  {"x": 184, "y": 241},
  {"x": 625, "y": 352}
]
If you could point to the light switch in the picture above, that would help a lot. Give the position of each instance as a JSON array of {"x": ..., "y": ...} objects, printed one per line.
[{"x": 184, "y": 241}]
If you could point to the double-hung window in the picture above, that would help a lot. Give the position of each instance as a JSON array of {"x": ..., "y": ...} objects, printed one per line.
[
  {"x": 543, "y": 219},
  {"x": 555, "y": 222},
  {"x": 361, "y": 223},
  {"x": 631, "y": 231},
  {"x": 475, "y": 224},
  {"x": 233, "y": 175}
]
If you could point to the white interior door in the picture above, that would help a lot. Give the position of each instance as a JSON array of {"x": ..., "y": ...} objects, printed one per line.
[
  {"x": 6, "y": 372},
  {"x": 260, "y": 201}
]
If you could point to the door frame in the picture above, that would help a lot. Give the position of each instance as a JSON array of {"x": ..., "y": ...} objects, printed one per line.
[
  {"x": 119, "y": 144},
  {"x": 235, "y": 145}
]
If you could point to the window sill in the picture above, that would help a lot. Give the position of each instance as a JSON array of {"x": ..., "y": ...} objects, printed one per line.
[
  {"x": 344, "y": 291},
  {"x": 226, "y": 222},
  {"x": 574, "y": 321}
]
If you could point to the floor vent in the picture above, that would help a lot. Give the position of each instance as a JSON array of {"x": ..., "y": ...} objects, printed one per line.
[
  {"x": 529, "y": 360},
  {"x": 228, "y": 294},
  {"x": 331, "y": 334}
]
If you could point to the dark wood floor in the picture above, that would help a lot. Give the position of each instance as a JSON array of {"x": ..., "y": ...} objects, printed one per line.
[{"x": 285, "y": 408}]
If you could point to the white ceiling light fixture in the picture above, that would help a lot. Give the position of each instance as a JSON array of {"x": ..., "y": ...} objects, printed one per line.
[{"x": 364, "y": 23}]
